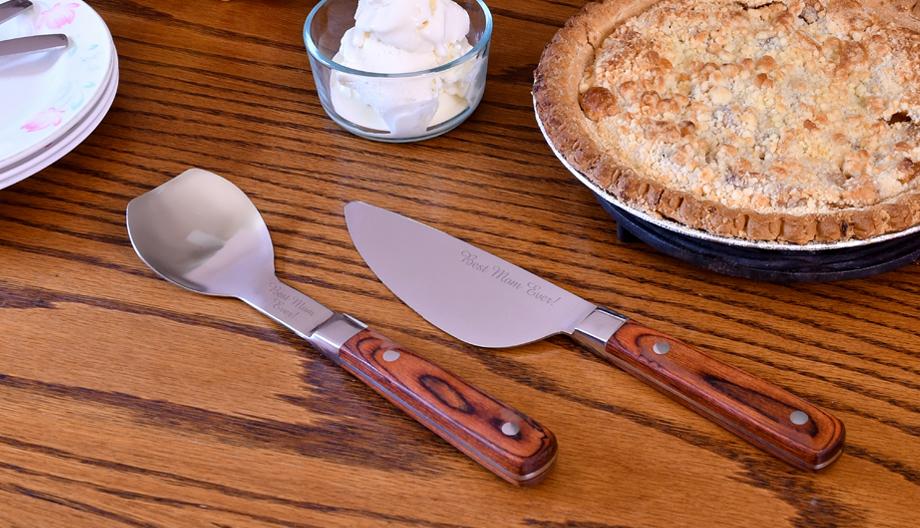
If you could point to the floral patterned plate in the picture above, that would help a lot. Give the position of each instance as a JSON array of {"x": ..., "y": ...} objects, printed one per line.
[
  {"x": 45, "y": 94},
  {"x": 74, "y": 137}
]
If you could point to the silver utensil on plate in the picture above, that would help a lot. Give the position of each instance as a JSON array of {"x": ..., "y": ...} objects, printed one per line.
[
  {"x": 33, "y": 44},
  {"x": 12, "y": 8},
  {"x": 201, "y": 232}
]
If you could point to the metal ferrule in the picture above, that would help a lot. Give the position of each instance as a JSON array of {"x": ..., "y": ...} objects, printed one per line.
[
  {"x": 597, "y": 328},
  {"x": 332, "y": 335}
]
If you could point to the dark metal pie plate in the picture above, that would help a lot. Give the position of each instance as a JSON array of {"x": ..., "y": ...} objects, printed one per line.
[{"x": 774, "y": 265}]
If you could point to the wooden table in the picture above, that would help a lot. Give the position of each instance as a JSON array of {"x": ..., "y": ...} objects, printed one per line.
[{"x": 128, "y": 402}]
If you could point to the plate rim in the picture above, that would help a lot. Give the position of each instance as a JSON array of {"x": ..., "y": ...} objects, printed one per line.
[{"x": 76, "y": 136}]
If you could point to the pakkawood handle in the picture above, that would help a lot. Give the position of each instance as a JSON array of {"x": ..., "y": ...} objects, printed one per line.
[
  {"x": 763, "y": 414},
  {"x": 502, "y": 439}
]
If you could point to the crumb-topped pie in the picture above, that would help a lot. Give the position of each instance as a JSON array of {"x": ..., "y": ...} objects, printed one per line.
[{"x": 793, "y": 120}]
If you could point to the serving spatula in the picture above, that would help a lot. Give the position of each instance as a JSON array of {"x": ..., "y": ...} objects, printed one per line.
[
  {"x": 202, "y": 233},
  {"x": 489, "y": 302}
]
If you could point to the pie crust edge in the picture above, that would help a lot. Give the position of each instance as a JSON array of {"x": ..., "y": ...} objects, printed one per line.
[{"x": 556, "y": 93}]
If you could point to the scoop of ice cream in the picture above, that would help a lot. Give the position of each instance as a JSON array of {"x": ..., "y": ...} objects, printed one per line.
[
  {"x": 403, "y": 36},
  {"x": 421, "y": 26}
]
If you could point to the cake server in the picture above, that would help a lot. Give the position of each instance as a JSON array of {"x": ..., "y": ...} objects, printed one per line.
[
  {"x": 202, "y": 233},
  {"x": 489, "y": 302},
  {"x": 12, "y": 8}
]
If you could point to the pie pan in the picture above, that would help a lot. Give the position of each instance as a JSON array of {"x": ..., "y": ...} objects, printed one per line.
[{"x": 758, "y": 260}]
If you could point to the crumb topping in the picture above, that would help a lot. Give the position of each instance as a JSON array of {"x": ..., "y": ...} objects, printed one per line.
[{"x": 803, "y": 106}]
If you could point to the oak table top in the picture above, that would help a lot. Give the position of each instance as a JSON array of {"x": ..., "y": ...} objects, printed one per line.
[{"x": 128, "y": 402}]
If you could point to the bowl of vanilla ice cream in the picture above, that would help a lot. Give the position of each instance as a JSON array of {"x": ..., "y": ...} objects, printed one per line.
[{"x": 399, "y": 70}]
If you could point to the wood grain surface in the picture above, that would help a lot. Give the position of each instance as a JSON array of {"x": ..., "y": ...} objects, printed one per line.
[{"x": 128, "y": 402}]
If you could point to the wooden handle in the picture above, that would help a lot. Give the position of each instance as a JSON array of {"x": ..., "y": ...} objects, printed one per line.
[
  {"x": 763, "y": 414},
  {"x": 502, "y": 439}
]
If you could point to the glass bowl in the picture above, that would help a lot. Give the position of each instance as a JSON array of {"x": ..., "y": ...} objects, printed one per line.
[{"x": 378, "y": 105}]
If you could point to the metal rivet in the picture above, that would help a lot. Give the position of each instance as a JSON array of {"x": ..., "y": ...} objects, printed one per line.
[
  {"x": 798, "y": 417},
  {"x": 510, "y": 429},
  {"x": 661, "y": 347},
  {"x": 390, "y": 355}
]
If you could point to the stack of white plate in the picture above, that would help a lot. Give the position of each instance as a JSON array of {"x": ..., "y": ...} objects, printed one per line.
[{"x": 50, "y": 103}]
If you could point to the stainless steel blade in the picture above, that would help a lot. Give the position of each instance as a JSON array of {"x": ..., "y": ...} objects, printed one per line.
[
  {"x": 465, "y": 291},
  {"x": 12, "y": 8},
  {"x": 33, "y": 44}
]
